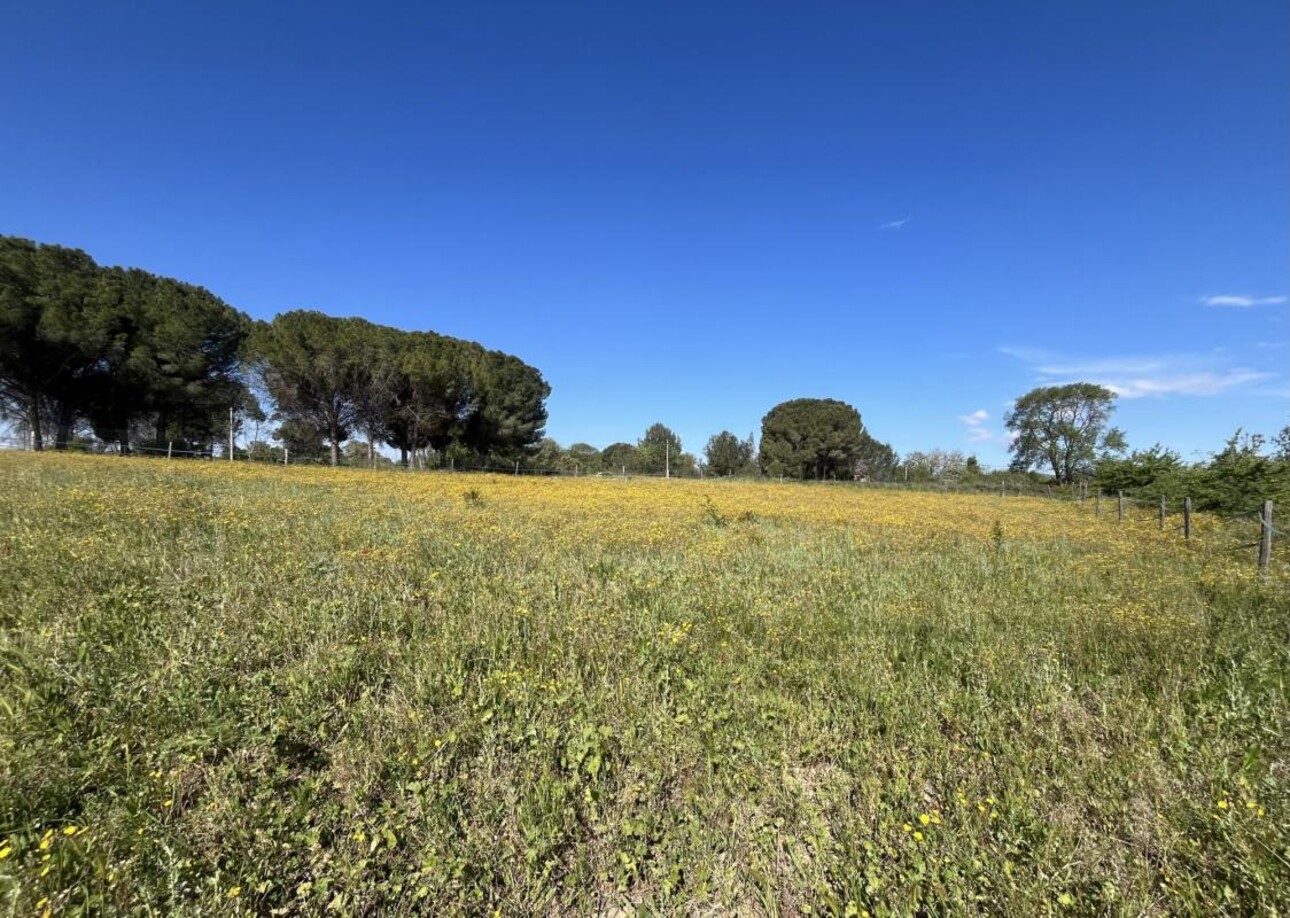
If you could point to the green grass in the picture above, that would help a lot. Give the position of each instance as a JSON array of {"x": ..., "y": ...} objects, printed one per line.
[{"x": 307, "y": 692}]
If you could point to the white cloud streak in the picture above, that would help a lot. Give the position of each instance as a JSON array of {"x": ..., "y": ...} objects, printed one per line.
[
  {"x": 976, "y": 429},
  {"x": 1187, "y": 384},
  {"x": 1142, "y": 377},
  {"x": 1241, "y": 302},
  {"x": 894, "y": 224}
]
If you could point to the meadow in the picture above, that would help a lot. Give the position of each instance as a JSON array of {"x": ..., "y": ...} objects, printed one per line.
[{"x": 240, "y": 689}]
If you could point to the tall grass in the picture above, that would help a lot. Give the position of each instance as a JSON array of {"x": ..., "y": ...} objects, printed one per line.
[{"x": 295, "y": 691}]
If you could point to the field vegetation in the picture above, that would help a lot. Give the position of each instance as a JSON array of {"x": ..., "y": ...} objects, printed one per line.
[{"x": 230, "y": 688}]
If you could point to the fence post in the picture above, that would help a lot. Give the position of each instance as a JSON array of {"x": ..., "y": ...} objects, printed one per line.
[
  {"x": 170, "y": 447},
  {"x": 1097, "y": 502},
  {"x": 1265, "y": 538},
  {"x": 1187, "y": 518},
  {"x": 286, "y": 455},
  {"x": 1163, "y": 511},
  {"x": 1120, "y": 498}
]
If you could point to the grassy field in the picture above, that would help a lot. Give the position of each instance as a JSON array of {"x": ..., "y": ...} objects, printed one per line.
[{"x": 298, "y": 691}]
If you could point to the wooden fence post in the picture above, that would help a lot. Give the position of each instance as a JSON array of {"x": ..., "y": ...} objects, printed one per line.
[
  {"x": 1120, "y": 495},
  {"x": 170, "y": 446},
  {"x": 1187, "y": 518},
  {"x": 1265, "y": 538},
  {"x": 1163, "y": 511}
]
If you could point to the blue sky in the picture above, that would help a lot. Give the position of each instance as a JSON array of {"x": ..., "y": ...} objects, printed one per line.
[{"x": 690, "y": 212}]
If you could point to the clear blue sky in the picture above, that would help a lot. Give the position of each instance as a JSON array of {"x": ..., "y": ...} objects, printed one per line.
[{"x": 688, "y": 212}]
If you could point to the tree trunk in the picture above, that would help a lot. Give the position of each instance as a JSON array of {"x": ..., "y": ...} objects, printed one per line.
[
  {"x": 403, "y": 456},
  {"x": 37, "y": 441},
  {"x": 66, "y": 421},
  {"x": 335, "y": 451}
]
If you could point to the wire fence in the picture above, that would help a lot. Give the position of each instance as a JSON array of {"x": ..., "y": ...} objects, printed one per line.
[{"x": 1162, "y": 511}]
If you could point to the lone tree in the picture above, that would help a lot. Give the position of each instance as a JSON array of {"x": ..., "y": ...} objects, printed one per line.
[
  {"x": 659, "y": 451},
  {"x": 727, "y": 454},
  {"x": 617, "y": 456},
  {"x": 1064, "y": 428},
  {"x": 811, "y": 438}
]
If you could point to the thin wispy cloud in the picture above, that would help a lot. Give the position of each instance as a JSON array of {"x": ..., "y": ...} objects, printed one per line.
[
  {"x": 894, "y": 224},
  {"x": 976, "y": 429},
  {"x": 1145, "y": 376},
  {"x": 1242, "y": 302},
  {"x": 1048, "y": 364},
  {"x": 1187, "y": 384}
]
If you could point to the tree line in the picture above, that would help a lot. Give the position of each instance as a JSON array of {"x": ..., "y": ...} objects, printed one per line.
[
  {"x": 803, "y": 439},
  {"x": 1066, "y": 430},
  {"x": 141, "y": 360},
  {"x": 416, "y": 392}
]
